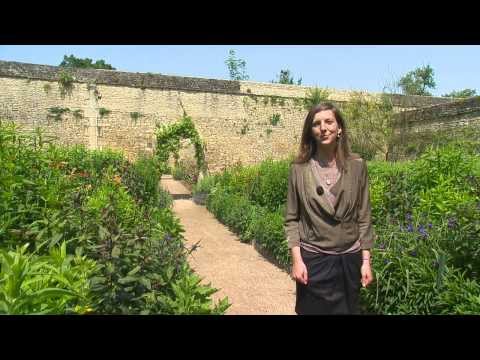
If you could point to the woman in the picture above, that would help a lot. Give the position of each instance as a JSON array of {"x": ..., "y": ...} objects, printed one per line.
[{"x": 328, "y": 219}]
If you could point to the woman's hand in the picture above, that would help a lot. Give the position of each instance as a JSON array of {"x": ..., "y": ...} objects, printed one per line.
[
  {"x": 367, "y": 274},
  {"x": 299, "y": 272},
  {"x": 299, "y": 269}
]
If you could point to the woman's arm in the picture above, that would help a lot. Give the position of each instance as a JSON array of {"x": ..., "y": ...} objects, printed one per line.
[
  {"x": 292, "y": 216},
  {"x": 366, "y": 229}
]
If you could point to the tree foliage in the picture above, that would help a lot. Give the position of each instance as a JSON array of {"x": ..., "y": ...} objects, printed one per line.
[
  {"x": 74, "y": 62},
  {"x": 314, "y": 97},
  {"x": 370, "y": 124},
  {"x": 416, "y": 82},
  {"x": 236, "y": 67},
  {"x": 285, "y": 77},
  {"x": 465, "y": 93}
]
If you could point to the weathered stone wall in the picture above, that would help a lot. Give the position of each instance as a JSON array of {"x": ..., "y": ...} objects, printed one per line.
[
  {"x": 451, "y": 119},
  {"x": 240, "y": 121}
]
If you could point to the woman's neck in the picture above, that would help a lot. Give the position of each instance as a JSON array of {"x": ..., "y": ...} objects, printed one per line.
[{"x": 325, "y": 155}]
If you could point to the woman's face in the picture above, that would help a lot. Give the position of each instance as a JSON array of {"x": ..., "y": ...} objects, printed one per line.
[{"x": 325, "y": 128}]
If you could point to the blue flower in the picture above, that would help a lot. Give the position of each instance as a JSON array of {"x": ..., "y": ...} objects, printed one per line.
[
  {"x": 410, "y": 228},
  {"x": 430, "y": 225},
  {"x": 413, "y": 253},
  {"x": 421, "y": 230},
  {"x": 452, "y": 222},
  {"x": 409, "y": 216}
]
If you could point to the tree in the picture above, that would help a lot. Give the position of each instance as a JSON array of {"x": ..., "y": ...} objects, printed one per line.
[
  {"x": 465, "y": 93},
  {"x": 314, "y": 97},
  {"x": 74, "y": 62},
  {"x": 236, "y": 67},
  {"x": 370, "y": 123},
  {"x": 285, "y": 78},
  {"x": 417, "y": 81}
]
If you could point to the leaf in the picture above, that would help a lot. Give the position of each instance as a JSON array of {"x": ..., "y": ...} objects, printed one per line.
[
  {"x": 146, "y": 282},
  {"x": 53, "y": 292},
  {"x": 127, "y": 279},
  {"x": 28, "y": 182},
  {"x": 116, "y": 252},
  {"x": 55, "y": 239},
  {"x": 134, "y": 270}
]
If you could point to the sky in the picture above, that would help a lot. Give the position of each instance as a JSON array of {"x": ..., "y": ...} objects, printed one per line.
[{"x": 342, "y": 67}]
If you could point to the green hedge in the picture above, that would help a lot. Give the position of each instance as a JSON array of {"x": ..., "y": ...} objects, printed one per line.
[
  {"x": 88, "y": 232},
  {"x": 426, "y": 215}
]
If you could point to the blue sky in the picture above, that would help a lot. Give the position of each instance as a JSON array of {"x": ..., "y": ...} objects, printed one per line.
[{"x": 357, "y": 67}]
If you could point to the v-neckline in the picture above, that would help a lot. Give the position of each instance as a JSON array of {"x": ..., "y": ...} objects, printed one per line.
[{"x": 337, "y": 187}]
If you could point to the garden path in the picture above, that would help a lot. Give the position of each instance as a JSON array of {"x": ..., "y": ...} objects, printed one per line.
[{"x": 253, "y": 285}]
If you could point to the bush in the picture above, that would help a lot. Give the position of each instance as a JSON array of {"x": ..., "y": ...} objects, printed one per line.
[
  {"x": 129, "y": 253},
  {"x": 186, "y": 171},
  {"x": 142, "y": 179},
  {"x": 426, "y": 214},
  {"x": 414, "y": 274},
  {"x": 56, "y": 283}
]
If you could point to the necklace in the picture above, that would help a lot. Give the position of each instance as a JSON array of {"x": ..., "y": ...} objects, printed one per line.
[{"x": 327, "y": 173}]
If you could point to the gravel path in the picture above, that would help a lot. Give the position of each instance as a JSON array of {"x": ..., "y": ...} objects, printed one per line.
[{"x": 253, "y": 285}]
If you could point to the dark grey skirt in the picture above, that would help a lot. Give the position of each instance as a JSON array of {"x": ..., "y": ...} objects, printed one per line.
[{"x": 333, "y": 284}]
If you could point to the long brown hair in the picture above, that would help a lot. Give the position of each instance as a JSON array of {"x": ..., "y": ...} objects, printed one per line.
[{"x": 308, "y": 145}]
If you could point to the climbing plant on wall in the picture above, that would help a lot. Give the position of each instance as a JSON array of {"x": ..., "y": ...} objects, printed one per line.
[{"x": 168, "y": 142}]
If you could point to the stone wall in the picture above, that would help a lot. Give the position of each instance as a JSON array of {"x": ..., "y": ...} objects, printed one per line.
[
  {"x": 451, "y": 119},
  {"x": 240, "y": 121}
]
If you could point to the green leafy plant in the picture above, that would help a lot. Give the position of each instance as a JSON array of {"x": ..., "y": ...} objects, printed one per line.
[
  {"x": 57, "y": 112},
  {"x": 417, "y": 81},
  {"x": 185, "y": 170},
  {"x": 86, "y": 63},
  {"x": 370, "y": 123},
  {"x": 107, "y": 211},
  {"x": 168, "y": 142},
  {"x": 274, "y": 119},
  {"x": 236, "y": 67},
  {"x": 53, "y": 284},
  {"x": 135, "y": 116},
  {"x": 285, "y": 77},
  {"x": 65, "y": 82},
  {"x": 315, "y": 96},
  {"x": 47, "y": 88},
  {"x": 465, "y": 93},
  {"x": 103, "y": 112},
  {"x": 78, "y": 114}
]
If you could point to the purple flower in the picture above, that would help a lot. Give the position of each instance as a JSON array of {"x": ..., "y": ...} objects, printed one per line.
[
  {"x": 381, "y": 246},
  {"x": 421, "y": 230},
  {"x": 409, "y": 216},
  {"x": 168, "y": 237},
  {"x": 452, "y": 222},
  {"x": 430, "y": 225},
  {"x": 410, "y": 228},
  {"x": 413, "y": 253}
]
